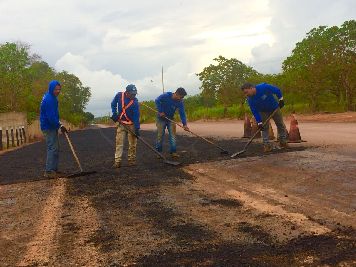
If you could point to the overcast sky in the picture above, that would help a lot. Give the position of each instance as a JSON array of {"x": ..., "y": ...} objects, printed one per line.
[{"x": 109, "y": 44}]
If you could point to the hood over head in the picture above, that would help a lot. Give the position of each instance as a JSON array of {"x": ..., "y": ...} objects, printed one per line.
[{"x": 52, "y": 85}]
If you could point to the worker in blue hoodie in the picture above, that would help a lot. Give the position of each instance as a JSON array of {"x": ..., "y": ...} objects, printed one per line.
[
  {"x": 49, "y": 121},
  {"x": 262, "y": 101},
  {"x": 126, "y": 112},
  {"x": 167, "y": 104}
]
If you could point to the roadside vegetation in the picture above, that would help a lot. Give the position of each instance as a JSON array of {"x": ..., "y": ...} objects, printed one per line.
[
  {"x": 24, "y": 79},
  {"x": 319, "y": 76}
]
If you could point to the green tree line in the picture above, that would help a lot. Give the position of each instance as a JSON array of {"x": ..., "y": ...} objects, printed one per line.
[
  {"x": 318, "y": 76},
  {"x": 24, "y": 79}
]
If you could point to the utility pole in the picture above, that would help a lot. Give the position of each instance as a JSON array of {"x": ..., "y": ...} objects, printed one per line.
[{"x": 162, "y": 80}]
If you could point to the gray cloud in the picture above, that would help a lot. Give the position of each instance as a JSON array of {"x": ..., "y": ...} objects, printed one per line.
[
  {"x": 108, "y": 44},
  {"x": 290, "y": 21}
]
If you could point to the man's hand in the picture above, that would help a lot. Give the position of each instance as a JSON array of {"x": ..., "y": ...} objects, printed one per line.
[
  {"x": 260, "y": 126},
  {"x": 281, "y": 103},
  {"x": 185, "y": 127},
  {"x": 114, "y": 117},
  {"x": 137, "y": 132},
  {"x": 162, "y": 114},
  {"x": 63, "y": 129}
]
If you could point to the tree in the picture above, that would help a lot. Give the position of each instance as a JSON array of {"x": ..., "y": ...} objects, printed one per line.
[
  {"x": 14, "y": 78},
  {"x": 324, "y": 63},
  {"x": 89, "y": 117},
  {"x": 73, "y": 98},
  {"x": 345, "y": 61},
  {"x": 24, "y": 79},
  {"x": 40, "y": 74},
  {"x": 222, "y": 81}
]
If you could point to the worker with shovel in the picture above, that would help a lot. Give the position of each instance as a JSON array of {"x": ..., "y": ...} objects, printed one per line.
[
  {"x": 49, "y": 122},
  {"x": 125, "y": 111},
  {"x": 263, "y": 104},
  {"x": 167, "y": 104}
]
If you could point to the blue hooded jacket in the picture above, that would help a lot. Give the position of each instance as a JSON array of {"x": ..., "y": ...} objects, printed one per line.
[
  {"x": 264, "y": 100},
  {"x": 165, "y": 103},
  {"x": 49, "y": 116},
  {"x": 133, "y": 112}
]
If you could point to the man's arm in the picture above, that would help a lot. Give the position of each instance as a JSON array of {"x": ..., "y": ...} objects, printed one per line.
[
  {"x": 255, "y": 112},
  {"x": 158, "y": 103},
  {"x": 136, "y": 115},
  {"x": 274, "y": 90},
  {"x": 52, "y": 114},
  {"x": 114, "y": 104},
  {"x": 181, "y": 110}
]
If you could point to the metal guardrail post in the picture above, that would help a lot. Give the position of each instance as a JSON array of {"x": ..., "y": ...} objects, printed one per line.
[
  {"x": 1, "y": 146},
  {"x": 20, "y": 132},
  {"x": 17, "y": 136},
  {"x": 7, "y": 138},
  {"x": 12, "y": 137}
]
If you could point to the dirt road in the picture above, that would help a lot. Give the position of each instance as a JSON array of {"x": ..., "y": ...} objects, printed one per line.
[
  {"x": 316, "y": 133},
  {"x": 288, "y": 208}
]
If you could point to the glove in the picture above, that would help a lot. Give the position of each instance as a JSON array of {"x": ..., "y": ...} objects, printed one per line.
[
  {"x": 114, "y": 117},
  {"x": 260, "y": 126},
  {"x": 137, "y": 132},
  {"x": 63, "y": 129},
  {"x": 281, "y": 103}
]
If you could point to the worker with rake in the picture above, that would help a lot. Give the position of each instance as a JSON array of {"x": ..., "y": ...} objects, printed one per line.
[
  {"x": 167, "y": 104},
  {"x": 126, "y": 112},
  {"x": 50, "y": 124},
  {"x": 263, "y": 103}
]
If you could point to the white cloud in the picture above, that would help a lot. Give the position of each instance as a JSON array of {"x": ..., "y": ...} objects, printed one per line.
[
  {"x": 290, "y": 21},
  {"x": 109, "y": 44},
  {"x": 104, "y": 84}
]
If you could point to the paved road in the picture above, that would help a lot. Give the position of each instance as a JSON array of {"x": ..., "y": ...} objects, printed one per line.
[{"x": 288, "y": 208}]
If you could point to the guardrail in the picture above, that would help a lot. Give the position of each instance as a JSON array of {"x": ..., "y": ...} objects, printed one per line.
[{"x": 12, "y": 136}]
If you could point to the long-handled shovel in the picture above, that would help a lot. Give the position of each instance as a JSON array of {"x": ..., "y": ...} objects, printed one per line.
[
  {"x": 170, "y": 162},
  {"x": 253, "y": 137},
  {"x": 223, "y": 151},
  {"x": 81, "y": 172}
]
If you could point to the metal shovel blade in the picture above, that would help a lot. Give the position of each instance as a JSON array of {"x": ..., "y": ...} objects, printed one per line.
[
  {"x": 80, "y": 174},
  {"x": 170, "y": 162},
  {"x": 237, "y": 153}
]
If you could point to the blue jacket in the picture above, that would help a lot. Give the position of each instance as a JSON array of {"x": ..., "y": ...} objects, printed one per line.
[
  {"x": 133, "y": 112},
  {"x": 166, "y": 104},
  {"x": 49, "y": 116},
  {"x": 264, "y": 100}
]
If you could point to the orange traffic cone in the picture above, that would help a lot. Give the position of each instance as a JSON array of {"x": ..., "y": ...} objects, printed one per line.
[
  {"x": 255, "y": 128},
  {"x": 247, "y": 127},
  {"x": 294, "y": 134},
  {"x": 270, "y": 132}
]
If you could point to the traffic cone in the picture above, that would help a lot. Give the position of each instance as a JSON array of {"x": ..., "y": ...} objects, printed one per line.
[
  {"x": 294, "y": 134},
  {"x": 247, "y": 127},
  {"x": 270, "y": 132},
  {"x": 255, "y": 128}
]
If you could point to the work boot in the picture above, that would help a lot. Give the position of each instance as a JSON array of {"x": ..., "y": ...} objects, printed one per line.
[
  {"x": 283, "y": 144},
  {"x": 175, "y": 155},
  {"x": 267, "y": 148},
  {"x": 50, "y": 174},
  {"x": 132, "y": 162},
  {"x": 116, "y": 165}
]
